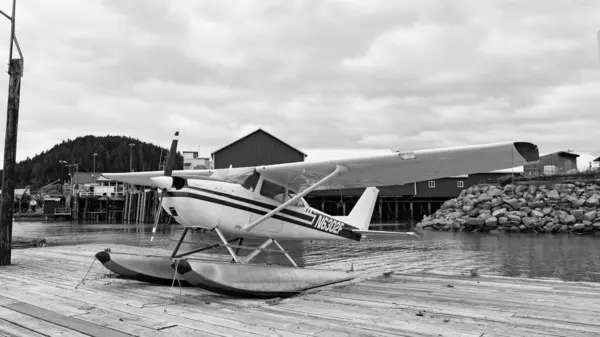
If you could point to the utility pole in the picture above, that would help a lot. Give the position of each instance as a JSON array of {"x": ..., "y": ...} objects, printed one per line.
[
  {"x": 94, "y": 174},
  {"x": 62, "y": 176},
  {"x": 15, "y": 70},
  {"x": 131, "y": 145}
]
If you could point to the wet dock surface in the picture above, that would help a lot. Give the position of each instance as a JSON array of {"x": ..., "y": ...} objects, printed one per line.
[{"x": 411, "y": 293}]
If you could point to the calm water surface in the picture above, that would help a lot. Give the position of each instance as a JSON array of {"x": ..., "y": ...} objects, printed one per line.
[{"x": 566, "y": 257}]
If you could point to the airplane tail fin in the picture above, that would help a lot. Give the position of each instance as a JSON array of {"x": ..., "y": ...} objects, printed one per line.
[{"x": 361, "y": 214}]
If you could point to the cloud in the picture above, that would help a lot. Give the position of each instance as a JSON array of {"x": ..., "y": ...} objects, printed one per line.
[{"x": 347, "y": 75}]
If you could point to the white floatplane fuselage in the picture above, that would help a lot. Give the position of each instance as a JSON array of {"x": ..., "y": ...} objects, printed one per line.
[{"x": 231, "y": 206}]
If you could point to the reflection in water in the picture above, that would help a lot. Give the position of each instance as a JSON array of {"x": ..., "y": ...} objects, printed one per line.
[{"x": 563, "y": 256}]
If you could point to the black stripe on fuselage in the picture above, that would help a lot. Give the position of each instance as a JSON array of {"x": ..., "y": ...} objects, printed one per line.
[
  {"x": 254, "y": 202},
  {"x": 343, "y": 233}
]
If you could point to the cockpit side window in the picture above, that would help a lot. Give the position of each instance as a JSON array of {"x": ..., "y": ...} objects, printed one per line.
[
  {"x": 272, "y": 191},
  {"x": 251, "y": 181},
  {"x": 297, "y": 203}
]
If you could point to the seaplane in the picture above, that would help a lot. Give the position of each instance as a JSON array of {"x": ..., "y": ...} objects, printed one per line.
[{"x": 267, "y": 202}]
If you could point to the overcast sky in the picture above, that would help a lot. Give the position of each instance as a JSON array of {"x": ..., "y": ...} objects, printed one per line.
[{"x": 319, "y": 74}]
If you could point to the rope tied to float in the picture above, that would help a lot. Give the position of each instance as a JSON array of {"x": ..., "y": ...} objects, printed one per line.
[
  {"x": 175, "y": 276},
  {"x": 86, "y": 274}
]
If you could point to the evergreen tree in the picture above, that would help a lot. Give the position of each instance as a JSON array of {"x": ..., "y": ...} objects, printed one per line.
[{"x": 113, "y": 156}]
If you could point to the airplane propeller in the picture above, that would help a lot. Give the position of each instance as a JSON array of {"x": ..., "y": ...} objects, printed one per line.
[{"x": 166, "y": 181}]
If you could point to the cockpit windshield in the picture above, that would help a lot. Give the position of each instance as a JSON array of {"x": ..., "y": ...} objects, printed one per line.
[{"x": 250, "y": 182}]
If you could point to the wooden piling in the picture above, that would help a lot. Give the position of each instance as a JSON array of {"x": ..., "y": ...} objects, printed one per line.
[{"x": 10, "y": 153}]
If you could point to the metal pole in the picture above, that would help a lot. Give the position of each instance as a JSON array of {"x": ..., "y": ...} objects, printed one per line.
[
  {"x": 131, "y": 157},
  {"x": 12, "y": 34}
]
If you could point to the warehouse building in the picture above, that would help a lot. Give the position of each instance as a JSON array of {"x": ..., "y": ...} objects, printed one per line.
[
  {"x": 257, "y": 148},
  {"x": 553, "y": 163}
]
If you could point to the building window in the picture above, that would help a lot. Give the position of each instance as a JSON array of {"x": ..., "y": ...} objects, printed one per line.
[
  {"x": 460, "y": 184},
  {"x": 431, "y": 184}
]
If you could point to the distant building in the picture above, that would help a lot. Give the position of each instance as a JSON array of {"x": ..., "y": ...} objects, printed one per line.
[
  {"x": 85, "y": 177},
  {"x": 254, "y": 149},
  {"x": 596, "y": 162},
  {"x": 557, "y": 162},
  {"x": 191, "y": 161}
]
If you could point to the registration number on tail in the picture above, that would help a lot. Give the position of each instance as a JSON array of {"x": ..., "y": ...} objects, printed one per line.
[{"x": 328, "y": 224}]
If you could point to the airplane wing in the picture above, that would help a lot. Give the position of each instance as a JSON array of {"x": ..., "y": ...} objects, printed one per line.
[
  {"x": 399, "y": 168},
  {"x": 143, "y": 178},
  {"x": 395, "y": 168}
]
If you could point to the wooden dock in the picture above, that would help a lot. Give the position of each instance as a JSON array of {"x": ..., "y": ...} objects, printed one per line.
[{"x": 404, "y": 293}]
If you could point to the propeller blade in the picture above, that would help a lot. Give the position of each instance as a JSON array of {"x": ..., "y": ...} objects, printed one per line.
[
  {"x": 158, "y": 213},
  {"x": 172, "y": 155},
  {"x": 165, "y": 182}
]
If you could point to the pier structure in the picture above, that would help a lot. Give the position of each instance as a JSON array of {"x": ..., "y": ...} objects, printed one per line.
[{"x": 91, "y": 197}]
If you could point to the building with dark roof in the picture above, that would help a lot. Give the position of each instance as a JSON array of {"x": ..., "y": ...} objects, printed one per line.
[
  {"x": 257, "y": 148},
  {"x": 557, "y": 162}
]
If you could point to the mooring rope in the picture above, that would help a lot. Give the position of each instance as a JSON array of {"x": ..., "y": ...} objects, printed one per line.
[
  {"x": 86, "y": 274},
  {"x": 175, "y": 276}
]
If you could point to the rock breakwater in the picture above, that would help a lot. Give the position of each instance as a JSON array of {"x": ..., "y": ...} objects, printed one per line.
[{"x": 520, "y": 207}]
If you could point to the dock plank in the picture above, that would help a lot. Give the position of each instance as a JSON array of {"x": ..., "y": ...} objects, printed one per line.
[
  {"x": 69, "y": 323},
  {"x": 423, "y": 296}
]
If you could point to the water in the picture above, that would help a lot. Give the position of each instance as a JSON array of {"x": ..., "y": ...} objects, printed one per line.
[{"x": 565, "y": 257}]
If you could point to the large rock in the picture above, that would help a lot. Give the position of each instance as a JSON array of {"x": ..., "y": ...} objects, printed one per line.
[
  {"x": 496, "y": 202},
  {"x": 491, "y": 222},
  {"x": 577, "y": 213},
  {"x": 499, "y": 213},
  {"x": 578, "y": 226},
  {"x": 536, "y": 214},
  {"x": 590, "y": 216},
  {"x": 503, "y": 220},
  {"x": 512, "y": 202},
  {"x": 514, "y": 219},
  {"x": 568, "y": 219},
  {"x": 454, "y": 215},
  {"x": 592, "y": 202},
  {"x": 520, "y": 189},
  {"x": 529, "y": 221},
  {"x": 536, "y": 204},
  {"x": 553, "y": 195},
  {"x": 532, "y": 189},
  {"x": 474, "y": 222},
  {"x": 484, "y": 197}
]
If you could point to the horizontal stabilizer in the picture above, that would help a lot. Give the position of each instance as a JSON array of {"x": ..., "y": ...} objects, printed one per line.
[{"x": 386, "y": 235}]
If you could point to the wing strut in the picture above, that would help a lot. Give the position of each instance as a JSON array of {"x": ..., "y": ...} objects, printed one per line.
[{"x": 338, "y": 171}]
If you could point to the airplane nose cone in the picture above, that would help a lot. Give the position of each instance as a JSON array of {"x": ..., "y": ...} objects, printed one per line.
[{"x": 162, "y": 182}]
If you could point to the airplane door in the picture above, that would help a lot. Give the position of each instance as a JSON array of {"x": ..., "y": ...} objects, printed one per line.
[{"x": 266, "y": 199}]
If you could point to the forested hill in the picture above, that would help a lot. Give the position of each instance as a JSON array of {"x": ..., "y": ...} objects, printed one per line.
[{"x": 113, "y": 156}]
